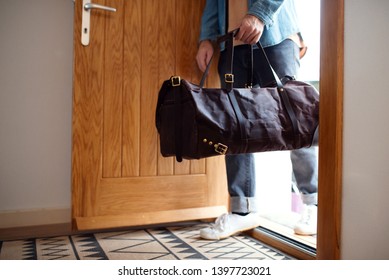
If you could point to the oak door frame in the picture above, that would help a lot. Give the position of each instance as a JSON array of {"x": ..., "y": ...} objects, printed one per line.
[{"x": 331, "y": 129}]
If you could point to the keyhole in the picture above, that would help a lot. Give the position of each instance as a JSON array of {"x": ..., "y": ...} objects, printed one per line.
[{"x": 85, "y": 30}]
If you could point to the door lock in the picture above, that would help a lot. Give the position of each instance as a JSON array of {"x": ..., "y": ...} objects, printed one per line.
[{"x": 87, "y": 6}]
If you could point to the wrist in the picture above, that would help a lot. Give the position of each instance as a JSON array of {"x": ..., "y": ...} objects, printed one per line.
[{"x": 255, "y": 19}]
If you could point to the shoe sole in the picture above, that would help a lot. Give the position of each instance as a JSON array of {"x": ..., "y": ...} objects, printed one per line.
[{"x": 305, "y": 233}]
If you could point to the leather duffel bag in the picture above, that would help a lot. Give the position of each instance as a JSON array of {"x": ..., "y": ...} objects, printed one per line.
[{"x": 195, "y": 122}]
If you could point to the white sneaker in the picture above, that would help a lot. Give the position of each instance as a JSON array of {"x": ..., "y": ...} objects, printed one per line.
[
  {"x": 308, "y": 222},
  {"x": 230, "y": 224}
]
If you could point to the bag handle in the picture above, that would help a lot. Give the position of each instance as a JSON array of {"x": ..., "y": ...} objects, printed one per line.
[
  {"x": 270, "y": 76},
  {"x": 228, "y": 39}
]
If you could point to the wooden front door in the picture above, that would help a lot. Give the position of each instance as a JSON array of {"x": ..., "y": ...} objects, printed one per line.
[{"x": 119, "y": 177}]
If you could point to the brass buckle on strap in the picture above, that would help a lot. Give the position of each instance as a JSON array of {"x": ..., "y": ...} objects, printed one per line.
[
  {"x": 221, "y": 148},
  {"x": 176, "y": 81},
  {"x": 229, "y": 78}
]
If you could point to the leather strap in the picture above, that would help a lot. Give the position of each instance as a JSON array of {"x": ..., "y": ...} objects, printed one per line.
[
  {"x": 230, "y": 89},
  {"x": 205, "y": 74},
  {"x": 230, "y": 62},
  {"x": 240, "y": 119},
  {"x": 281, "y": 91},
  {"x": 228, "y": 38},
  {"x": 250, "y": 69},
  {"x": 229, "y": 41},
  {"x": 269, "y": 75},
  {"x": 178, "y": 121}
]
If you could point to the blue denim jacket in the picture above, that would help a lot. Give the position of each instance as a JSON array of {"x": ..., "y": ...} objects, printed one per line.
[{"x": 279, "y": 16}]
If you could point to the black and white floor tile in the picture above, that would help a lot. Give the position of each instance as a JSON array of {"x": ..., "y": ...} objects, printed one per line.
[{"x": 169, "y": 243}]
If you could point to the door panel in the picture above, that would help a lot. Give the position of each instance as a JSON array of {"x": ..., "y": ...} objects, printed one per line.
[{"x": 119, "y": 177}]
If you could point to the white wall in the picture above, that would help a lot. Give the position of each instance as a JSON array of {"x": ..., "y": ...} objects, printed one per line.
[
  {"x": 365, "y": 221},
  {"x": 36, "y": 40},
  {"x": 35, "y": 116}
]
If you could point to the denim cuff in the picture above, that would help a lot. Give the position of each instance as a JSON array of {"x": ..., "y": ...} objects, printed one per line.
[
  {"x": 243, "y": 204},
  {"x": 309, "y": 199}
]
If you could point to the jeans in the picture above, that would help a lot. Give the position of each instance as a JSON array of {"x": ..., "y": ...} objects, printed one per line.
[{"x": 284, "y": 59}]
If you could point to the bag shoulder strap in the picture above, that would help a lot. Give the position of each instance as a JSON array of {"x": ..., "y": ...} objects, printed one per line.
[{"x": 271, "y": 76}]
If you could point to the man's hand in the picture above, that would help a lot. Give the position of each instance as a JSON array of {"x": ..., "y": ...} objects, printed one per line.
[
  {"x": 204, "y": 54},
  {"x": 250, "y": 30}
]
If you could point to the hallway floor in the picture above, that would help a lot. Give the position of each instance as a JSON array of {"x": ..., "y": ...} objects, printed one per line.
[{"x": 166, "y": 243}]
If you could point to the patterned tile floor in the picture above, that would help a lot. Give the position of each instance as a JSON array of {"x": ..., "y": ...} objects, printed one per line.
[{"x": 170, "y": 243}]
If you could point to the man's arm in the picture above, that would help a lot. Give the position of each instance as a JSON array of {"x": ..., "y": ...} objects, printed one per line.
[
  {"x": 204, "y": 54},
  {"x": 209, "y": 32},
  {"x": 259, "y": 15},
  {"x": 209, "y": 29},
  {"x": 250, "y": 30},
  {"x": 265, "y": 10}
]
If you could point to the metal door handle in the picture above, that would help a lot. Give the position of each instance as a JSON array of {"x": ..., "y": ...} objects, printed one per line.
[
  {"x": 89, "y": 6},
  {"x": 85, "y": 26}
]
